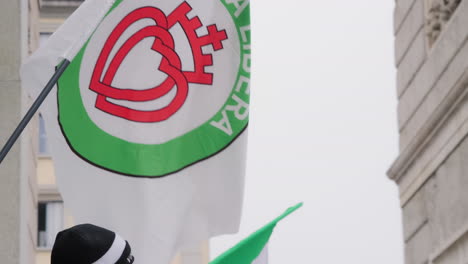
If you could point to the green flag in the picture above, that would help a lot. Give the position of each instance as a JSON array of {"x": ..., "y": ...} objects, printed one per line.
[{"x": 251, "y": 249}]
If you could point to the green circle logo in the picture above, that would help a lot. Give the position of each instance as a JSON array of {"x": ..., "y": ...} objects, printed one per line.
[{"x": 158, "y": 86}]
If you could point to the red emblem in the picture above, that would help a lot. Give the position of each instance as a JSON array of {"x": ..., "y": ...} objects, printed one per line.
[{"x": 101, "y": 83}]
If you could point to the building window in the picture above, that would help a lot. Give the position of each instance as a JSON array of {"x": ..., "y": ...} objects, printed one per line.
[
  {"x": 50, "y": 222},
  {"x": 59, "y": 3},
  {"x": 43, "y": 148}
]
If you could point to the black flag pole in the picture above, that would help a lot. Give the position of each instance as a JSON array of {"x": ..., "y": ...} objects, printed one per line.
[{"x": 33, "y": 109}]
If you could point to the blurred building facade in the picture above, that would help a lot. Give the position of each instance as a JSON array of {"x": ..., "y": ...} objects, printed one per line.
[
  {"x": 431, "y": 54},
  {"x": 31, "y": 207},
  {"x": 18, "y": 187}
]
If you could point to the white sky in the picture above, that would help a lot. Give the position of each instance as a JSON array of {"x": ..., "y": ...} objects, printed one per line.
[{"x": 323, "y": 131}]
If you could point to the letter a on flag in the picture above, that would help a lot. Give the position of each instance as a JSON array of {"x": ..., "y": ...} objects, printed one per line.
[{"x": 147, "y": 126}]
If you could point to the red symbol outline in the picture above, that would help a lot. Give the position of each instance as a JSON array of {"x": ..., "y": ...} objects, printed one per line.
[{"x": 170, "y": 63}]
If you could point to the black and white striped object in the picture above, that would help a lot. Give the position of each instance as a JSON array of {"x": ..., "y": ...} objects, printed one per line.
[{"x": 90, "y": 244}]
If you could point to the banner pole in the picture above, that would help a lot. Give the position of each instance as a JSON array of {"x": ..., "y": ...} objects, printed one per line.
[{"x": 40, "y": 99}]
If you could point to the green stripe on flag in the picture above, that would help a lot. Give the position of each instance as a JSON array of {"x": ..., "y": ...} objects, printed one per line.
[{"x": 249, "y": 249}]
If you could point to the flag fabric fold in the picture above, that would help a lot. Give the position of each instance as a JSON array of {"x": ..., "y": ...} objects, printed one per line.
[
  {"x": 148, "y": 125},
  {"x": 254, "y": 248}
]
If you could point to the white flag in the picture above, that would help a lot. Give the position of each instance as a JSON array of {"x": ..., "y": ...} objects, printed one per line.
[{"x": 147, "y": 127}]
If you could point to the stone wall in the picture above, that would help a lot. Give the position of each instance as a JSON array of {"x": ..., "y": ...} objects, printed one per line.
[
  {"x": 435, "y": 220},
  {"x": 431, "y": 54},
  {"x": 17, "y": 172}
]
